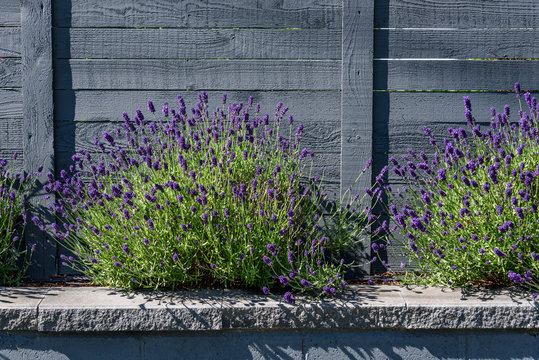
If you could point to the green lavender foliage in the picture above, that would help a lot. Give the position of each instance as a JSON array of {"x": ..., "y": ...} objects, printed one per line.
[
  {"x": 469, "y": 215},
  {"x": 14, "y": 257},
  {"x": 214, "y": 197}
]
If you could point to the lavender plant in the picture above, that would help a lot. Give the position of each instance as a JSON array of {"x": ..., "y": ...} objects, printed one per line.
[
  {"x": 212, "y": 197},
  {"x": 470, "y": 213},
  {"x": 14, "y": 257}
]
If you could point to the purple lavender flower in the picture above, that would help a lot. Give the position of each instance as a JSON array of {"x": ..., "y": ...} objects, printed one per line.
[
  {"x": 289, "y": 298},
  {"x": 467, "y": 103},
  {"x": 267, "y": 260},
  {"x": 109, "y": 138},
  {"x": 499, "y": 253},
  {"x": 272, "y": 248},
  {"x": 151, "y": 107},
  {"x": 284, "y": 280}
]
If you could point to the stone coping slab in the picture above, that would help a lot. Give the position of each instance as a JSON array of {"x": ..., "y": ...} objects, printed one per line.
[{"x": 98, "y": 309}]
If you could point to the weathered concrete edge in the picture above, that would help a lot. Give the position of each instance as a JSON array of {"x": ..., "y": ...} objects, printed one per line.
[{"x": 362, "y": 307}]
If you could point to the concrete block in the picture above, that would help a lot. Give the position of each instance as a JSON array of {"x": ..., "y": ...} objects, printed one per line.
[
  {"x": 103, "y": 309},
  {"x": 495, "y": 344},
  {"x": 360, "y": 307},
  {"x": 18, "y": 307},
  {"x": 445, "y": 308},
  {"x": 224, "y": 345},
  {"x": 385, "y": 344},
  {"x": 34, "y": 345}
]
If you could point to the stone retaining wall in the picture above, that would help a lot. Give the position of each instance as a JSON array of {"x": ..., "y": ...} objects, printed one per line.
[{"x": 371, "y": 322}]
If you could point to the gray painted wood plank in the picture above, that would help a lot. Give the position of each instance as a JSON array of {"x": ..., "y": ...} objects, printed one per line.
[
  {"x": 18, "y": 163},
  {"x": 10, "y": 13},
  {"x": 10, "y": 103},
  {"x": 198, "y": 13},
  {"x": 10, "y": 72},
  {"x": 356, "y": 101},
  {"x": 401, "y": 108},
  {"x": 105, "y": 105},
  {"x": 71, "y": 136},
  {"x": 11, "y": 134},
  {"x": 455, "y": 74},
  {"x": 197, "y": 43},
  {"x": 399, "y": 118},
  {"x": 10, "y": 41},
  {"x": 456, "y": 14},
  {"x": 317, "y": 111},
  {"x": 456, "y": 44},
  {"x": 38, "y": 123},
  {"x": 198, "y": 74}
]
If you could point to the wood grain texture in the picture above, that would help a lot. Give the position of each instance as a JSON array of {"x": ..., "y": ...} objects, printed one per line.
[
  {"x": 318, "y": 111},
  {"x": 72, "y": 136},
  {"x": 11, "y": 134},
  {"x": 198, "y": 13},
  {"x": 10, "y": 41},
  {"x": 38, "y": 139},
  {"x": 456, "y": 14},
  {"x": 400, "y": 117},
  {"x": 196, "y": 43},
  {"x": 197, "y": 74},
  {"x": 356, "y": 101},
  {"x": 10, "y": 13},
  {"x": 456, "y": 44},
  {"x": 18, "y": 163},
  {"x": 108, "y": 105},
  {"x": 455, "y": 74},
  {"x": 10, "y": 72},
  {"x": 10, "y": 103}
]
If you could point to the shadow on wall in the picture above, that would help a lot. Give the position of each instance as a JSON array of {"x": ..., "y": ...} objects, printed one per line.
[
  {"x": 292, "y": 344},
  {"x": 66, "y": 103},
  {"x": 381, "y": 108}
]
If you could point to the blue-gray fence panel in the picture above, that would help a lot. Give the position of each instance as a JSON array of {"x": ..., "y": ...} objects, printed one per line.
[{"x": 358, "y": 75}]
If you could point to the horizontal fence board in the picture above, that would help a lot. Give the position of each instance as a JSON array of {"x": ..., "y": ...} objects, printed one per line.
[
  {"x": 455, "y": 74},
  {"x": 16, "y": 165},
  {"x": 10, "y": 13},
  {"x": 10, "y": 72},
  {"x": 399, "y": 118},
  {"x": 10, "y": 41},
  {"x": 318, "y": 111},
  {"x": 72, "y": 136},
  {"x": 456, "y": 14},
  {"x": 198, "y": 74},
  {"x": 197, "y": 43},
  {"x": 456, "y": 44},
  {"x": 10, "y": 103},
  {"x": 103, "y": 105},
  {"x": 198, "y": 13},
  {"x": 11, "y": 134}
]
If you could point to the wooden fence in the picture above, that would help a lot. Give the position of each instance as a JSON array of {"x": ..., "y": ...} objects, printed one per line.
[{"x": 363, "y": 76}]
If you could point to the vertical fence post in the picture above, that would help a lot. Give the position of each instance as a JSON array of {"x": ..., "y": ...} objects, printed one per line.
[
  {"x": 38, "y": 125},
  {"x": 356, "y": 96}
]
